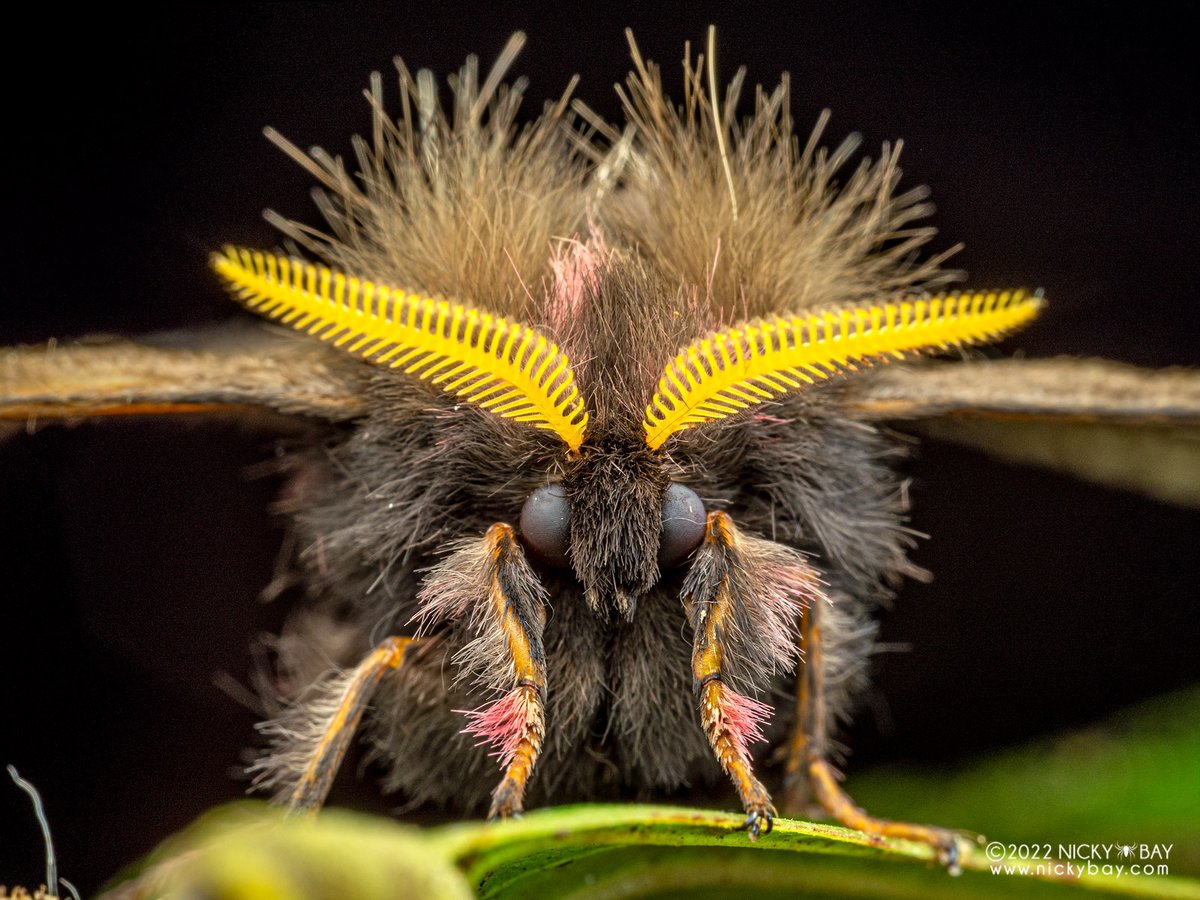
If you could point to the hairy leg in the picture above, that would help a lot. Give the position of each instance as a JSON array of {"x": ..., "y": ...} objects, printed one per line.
[
  {"x": 519, "y": 719},
  {"x": 808, "y": 767},
  {"x": 492, "y": 601},
  {"x": 485, "y": 597},
  {"x": 743, "y": 596},
  {"x": 312, "y": 738}
]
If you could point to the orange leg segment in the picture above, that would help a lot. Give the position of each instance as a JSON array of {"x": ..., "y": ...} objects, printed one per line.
[
  {"x": 518, "y": 721},
  {"x": 808, "y": 766},
  {"x": 730, "y": 720},
  {"x": 349, "y": 705}
]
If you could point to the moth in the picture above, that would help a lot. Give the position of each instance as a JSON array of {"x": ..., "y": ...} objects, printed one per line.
[{"x": 611, "y": 497}]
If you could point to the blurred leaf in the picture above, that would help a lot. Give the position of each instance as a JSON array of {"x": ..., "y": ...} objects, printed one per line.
[{"x": 254, "y": 851}]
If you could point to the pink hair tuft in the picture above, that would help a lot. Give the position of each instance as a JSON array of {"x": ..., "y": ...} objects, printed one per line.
[
  {"x": 576, "y": 266},
  {"x": 743, "y": 718},
  {"x": 499, "y": 724}
]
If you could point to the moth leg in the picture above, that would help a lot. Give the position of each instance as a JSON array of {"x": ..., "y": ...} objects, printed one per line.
[
  {"x": 338, "y": 713},
  {"x": 808, "y": 752},
  {"x": 517, "y": 722},
  {"x": 730, "y": 720}
]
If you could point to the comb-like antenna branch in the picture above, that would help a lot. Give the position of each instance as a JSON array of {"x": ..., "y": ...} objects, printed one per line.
[
  {"x": 744, "y": 366},
  {"x": 502, "y": 366}
]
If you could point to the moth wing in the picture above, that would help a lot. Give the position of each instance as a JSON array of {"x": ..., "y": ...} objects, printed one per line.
[
  {"x": 1106, "y": 422},
  {"x": 231, "y": 369}
]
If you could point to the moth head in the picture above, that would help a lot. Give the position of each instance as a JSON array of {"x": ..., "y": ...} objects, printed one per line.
[{"x": 616, "y": 520}]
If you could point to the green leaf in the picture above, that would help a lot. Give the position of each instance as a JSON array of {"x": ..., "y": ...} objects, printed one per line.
[{"x": 1132, "y": 779}]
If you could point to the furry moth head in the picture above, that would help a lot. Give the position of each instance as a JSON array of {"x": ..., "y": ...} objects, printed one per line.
[
  {"x": 825, "y": 280},
  {"x": 511, "y": 370},
  {"x": 603, "y": 400}
]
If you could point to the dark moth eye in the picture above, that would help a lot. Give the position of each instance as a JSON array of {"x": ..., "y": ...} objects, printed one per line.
[
  {"x": 546, "y": 525},
  {"x": 683, "y": 521}
]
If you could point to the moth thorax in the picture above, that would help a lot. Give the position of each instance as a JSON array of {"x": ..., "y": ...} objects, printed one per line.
[{"x": 616, "y": 491}]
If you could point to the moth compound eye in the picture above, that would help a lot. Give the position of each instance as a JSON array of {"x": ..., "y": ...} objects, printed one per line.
[
  {"x": 683, "y": 521},
  {"x": 546, "y": 525}
]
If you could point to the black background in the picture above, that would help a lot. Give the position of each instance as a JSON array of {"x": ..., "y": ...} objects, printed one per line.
[{"x": 1061, "y": 149}]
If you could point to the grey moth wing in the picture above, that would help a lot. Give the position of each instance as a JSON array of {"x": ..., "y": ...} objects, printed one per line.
[
  {"x": 1105, "y": 422},
  {"x": 235, "y": 368}
]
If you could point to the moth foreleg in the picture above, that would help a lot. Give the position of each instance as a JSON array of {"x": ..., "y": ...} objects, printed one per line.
[
  {"x": 514, "y": 598},
  {"x": 312, "y": 737},
  {"x": 486, "y": 595},
  {"x": 731, "y": 721},
  {"x": 808, "y": 762}
]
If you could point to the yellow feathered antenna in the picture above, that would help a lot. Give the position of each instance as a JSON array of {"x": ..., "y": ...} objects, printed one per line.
[
  {"x": 745, "y": 366},
  {"x": 501, "y": 366}
]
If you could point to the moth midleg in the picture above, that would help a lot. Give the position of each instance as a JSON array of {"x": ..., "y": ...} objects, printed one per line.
[
  {"x": 728, "y": 718},
  {"x": 349, "y": 703},
  {"x": 798, "y": 797},
  {"x": 808, "y": 752},
  {"x": 523, "y": 710}
]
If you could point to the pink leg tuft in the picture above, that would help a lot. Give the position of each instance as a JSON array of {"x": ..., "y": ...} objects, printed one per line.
[
  {"x": 500, "y": 724},
  {"x": 743, "y": 719}
]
